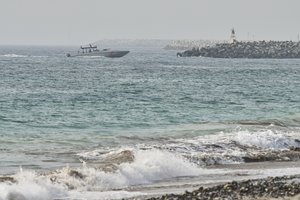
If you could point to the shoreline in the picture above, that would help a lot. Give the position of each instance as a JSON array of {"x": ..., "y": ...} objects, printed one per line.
[
  {"x": 256, "y": 180},
  {"x": 270, "y": 187},
  {"x": 260, "y": 186},
  {"x": 250, "y": 180}
]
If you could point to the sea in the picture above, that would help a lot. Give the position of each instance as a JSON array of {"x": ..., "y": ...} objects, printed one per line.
[{"x": 145, "y": 124}]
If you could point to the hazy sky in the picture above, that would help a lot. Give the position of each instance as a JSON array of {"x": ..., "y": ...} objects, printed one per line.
[{"x": 83, "y": 21}]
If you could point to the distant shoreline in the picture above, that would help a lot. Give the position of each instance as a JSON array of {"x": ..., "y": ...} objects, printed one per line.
[{"x": 189, "y": 44}]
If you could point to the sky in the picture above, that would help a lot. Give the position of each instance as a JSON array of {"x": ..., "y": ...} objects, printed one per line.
[{"x": 72, "y": 22}]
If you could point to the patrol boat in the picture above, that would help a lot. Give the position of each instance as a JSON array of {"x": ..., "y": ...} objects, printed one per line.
[{"x": 92, "y": 50}]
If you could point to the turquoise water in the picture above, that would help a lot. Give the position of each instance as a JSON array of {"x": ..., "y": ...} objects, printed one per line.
[
  {"x": 91, "y": 128},
  {"x": 54, "y": 104},
  {"x": 115, "y": 122}
]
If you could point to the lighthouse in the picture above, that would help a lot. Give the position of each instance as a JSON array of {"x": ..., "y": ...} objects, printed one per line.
[{"x": 232, "y": 36}]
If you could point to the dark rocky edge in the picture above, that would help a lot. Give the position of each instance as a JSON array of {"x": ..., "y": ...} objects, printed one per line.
[
  {"x": 273, "y": 187},
  {"x": 256, "y": 49}
]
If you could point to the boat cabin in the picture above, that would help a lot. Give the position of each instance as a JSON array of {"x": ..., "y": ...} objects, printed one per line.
[{"x": 88, "y": 49}]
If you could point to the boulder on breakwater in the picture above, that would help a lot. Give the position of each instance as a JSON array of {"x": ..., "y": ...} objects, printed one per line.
[{"x": 256, "y": 49}]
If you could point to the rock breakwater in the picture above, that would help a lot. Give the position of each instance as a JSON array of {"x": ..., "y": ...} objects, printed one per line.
[{"x": 257, "y": 49}]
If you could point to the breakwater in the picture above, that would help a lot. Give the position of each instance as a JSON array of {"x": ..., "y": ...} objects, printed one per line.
[{"x": 256, "y": 49}]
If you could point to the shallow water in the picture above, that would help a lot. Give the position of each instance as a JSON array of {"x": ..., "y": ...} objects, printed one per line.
[{"x": 193, "y": 112}]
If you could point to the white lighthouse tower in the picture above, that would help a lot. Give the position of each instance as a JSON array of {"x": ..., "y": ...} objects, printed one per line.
[{"x": 232, "y": 37}]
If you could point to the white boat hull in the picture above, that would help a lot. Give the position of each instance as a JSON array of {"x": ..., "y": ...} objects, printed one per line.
[{"x": 105, "y": 53}]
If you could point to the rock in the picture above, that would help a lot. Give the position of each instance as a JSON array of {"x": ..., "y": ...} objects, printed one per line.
[
  {"x": 7, "y": 179},
  {"x": 269, "y": 187},
  {"x": 125, "y": 156},
  {"x": 76, "y": 174},
  {"x": 295, "y": 149},
  {"x": 256, "y": 49}
]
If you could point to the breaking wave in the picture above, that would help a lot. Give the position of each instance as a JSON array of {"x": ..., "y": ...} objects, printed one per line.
[
  {"x": 267, "y": 139},
  {"x": 107, "y": 173},
  {"x": 140, "y": 167},
  {"x": 147, "y": 167},
  {"x": 30, "y": 186},
  {"x": 240, "y": 146}
]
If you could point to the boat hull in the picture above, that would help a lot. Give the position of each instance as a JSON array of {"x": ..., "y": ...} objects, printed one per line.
[{"x": 108, "y": 54}]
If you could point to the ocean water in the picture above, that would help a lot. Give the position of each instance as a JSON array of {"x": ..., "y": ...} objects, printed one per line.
[{"x": 100, "y": 128}]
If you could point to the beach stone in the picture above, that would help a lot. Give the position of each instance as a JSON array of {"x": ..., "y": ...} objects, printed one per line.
[
  {"x": 76, "y": 174},
  {"x": 7, "y": 179},
  {"x": 269, "y": 187},
  {"x": 120, "y": 157},
  {"x": 295, "y": 149}
]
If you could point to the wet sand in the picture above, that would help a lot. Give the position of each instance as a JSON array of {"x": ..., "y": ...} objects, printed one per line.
[{"x": 217, "y": 177}]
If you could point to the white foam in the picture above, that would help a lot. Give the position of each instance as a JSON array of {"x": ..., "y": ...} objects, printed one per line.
[
  {"x": 21, "y": 56},
  {"x": 99, "y": 154},
  {"x": 264, "y": 138},
  {"x": 33, "y": 187},
  {"x": 148, "y": 166},
  {"x": 154, "y": 165},
  {"x": 29, "y": 186},
  {"x": 232, "y": 147},
  {"x": 267, "y": 139},
  {"x": 14, "y": 56}
]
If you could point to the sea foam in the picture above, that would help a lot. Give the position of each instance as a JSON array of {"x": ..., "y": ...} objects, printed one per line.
[
  {"x": 21, "y": 56},
  {"x": 14, "y": 56},
  {"x": 31, "y": 186},
  {"x": 267, "y": 139},
  {"x": 149, "y": 166}
]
